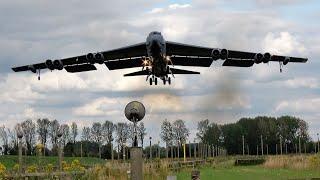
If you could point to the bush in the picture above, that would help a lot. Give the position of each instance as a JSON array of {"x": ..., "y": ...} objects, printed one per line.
[
  {"x": 32, "y": 169},
  {"x": 2, "y": 170},
  {"x": 49, "y": 168},
  {"x": 16, "y": 168},
  {"x": 314, "y": 161}
]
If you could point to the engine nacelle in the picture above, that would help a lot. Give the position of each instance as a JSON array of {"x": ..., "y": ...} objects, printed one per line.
[
  {"x": 90, "y": 58},
  {"x": 224, "y": 54},
  {"x": 286, "y": 60},
  {"x": 49, "y": 64},
  {"x": 215, "y": 54},
  {"x": 32, "y": 68},
  {"x": 99, "y": 58},
  {"x": 57, "y": 64},
  {"x": 266, "y": 57},
  {"x": 258, "y": 58}
]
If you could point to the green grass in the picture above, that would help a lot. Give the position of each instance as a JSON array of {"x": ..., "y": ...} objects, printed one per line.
[
  {"x": 9, "y": 160},
  {"x": 249, "y": 172}
]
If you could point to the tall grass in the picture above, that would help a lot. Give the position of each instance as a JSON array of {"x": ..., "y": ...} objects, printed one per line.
[{"x": 298, "y": 162}]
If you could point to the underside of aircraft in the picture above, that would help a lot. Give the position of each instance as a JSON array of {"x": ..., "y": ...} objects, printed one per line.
[{"x": 158, "y": 58}]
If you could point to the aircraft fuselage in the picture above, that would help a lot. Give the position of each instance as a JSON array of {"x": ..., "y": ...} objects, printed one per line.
[{"x": 156, "y": 50}]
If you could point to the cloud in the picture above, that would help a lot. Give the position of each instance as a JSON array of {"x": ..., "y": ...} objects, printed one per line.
[
  {"x": 300, "y": 105},
  {"x": 284, "y": 43},
  {"x": 303, "y": 82}
]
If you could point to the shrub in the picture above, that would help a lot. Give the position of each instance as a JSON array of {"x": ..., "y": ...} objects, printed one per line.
[
  {"x": 314, "y": 161},
  {"x": 32, "y": 169},
  {"x": 16, "y": 168},
  {"x": 2, "y": 170},
  {"x": 49, "y": 168}
]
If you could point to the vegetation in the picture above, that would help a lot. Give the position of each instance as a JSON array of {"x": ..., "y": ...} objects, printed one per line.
[{"x": 9, "y": 161}]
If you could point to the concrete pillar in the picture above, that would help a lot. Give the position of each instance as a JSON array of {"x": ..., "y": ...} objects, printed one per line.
[{"x": 136, "y": 163}]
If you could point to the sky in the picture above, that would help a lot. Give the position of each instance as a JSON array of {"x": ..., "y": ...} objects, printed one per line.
[{"x": 36, "y": 30}]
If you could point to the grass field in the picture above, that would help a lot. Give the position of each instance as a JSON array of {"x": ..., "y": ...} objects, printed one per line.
[
  {"x": 9, "y": 161},
  {"x": 249, "y": 172}
]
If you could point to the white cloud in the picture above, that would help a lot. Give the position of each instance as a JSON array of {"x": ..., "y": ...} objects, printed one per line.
[
  {"x": 178, "y": 6},
  {"x": 283, "y": 43},
  {"x": 303, "y": 82},
  {"x": 300, "y": 105}
]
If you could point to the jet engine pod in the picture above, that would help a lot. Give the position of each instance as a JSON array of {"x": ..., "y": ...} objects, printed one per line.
[
  {"x": 266, "y": 57},
  {"x": 286, "y": 60},
  {"x": 258, "y": 58},
  {"x": 90, "y": 58},
  {"x": 135, "y": 111},
  {"x": 58, "y": 64},
  {"x": 32, "y": 68},
  {"x": 224, "y": 54},
  {"x": 215, "y": 54},
  {"x": 49, "y": 64},
  {"x": 99, "y": 58}
]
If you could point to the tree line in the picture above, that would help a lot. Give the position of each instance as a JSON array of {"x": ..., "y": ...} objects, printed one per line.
[{"x": 249, "y": 135}]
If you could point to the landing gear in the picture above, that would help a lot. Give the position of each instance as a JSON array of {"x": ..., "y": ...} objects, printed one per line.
[
  {"x": 166, "y": 79},
  {"x": 153, "y": 79}
]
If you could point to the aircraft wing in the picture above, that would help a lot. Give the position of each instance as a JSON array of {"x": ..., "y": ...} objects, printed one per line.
[
  {"x": 196, "y": 56},
  {"x": 128, "y": 55}
]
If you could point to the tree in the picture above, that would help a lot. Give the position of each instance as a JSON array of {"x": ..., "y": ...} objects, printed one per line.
[
  {"x": 5, "y": 139},
  {"x": 202, "y": 128},
  {"x": 141, "y": 132},
  {"x": 65, "y": 138},
  {"x": 166, "y": 134},
  {"x": 180, "y": 131},
  {"x": 74, "y": 132},
  {"x": 53, "y": 133},
  {"x": 43, "y": 129},
  {"x": 85, "y": 134},
  {"x": 108, "y": 129},
  {"x": 29, "y": 133},
  {"x": 96, "y": 132},
  {"x": 122, "y": 131}
]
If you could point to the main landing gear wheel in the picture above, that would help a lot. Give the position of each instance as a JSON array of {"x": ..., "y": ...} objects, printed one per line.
[
  {"x": 150, "y": 80},
  {"x": 169, "y": 80},
  {"x": 164, "y": 81}
]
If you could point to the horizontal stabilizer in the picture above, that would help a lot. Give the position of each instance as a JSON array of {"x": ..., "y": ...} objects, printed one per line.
[
  {"x": 80, "y": 68},
  {"x": 238, "y": 63},
  {"x": 182, "y": 71},
  {"x": 138, "y": 73}
]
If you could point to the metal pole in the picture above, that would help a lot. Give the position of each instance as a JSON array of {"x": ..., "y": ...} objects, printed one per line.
[
  {"x": 276, "y": 149},
  {"x": 159, "y": 149},
  {"x": 267, "y": 149},
  {"x": 81, "y": 149},
  {"x": 20, "y": 154},
  {"x": 60, "y": 156},
  {"x": 150, "y": 149},
  {"x": 280, "y": 144},
  {"x": 111, "y": 148},
  {"x": 299, "y": 146},
  {"x": 257, "y": 150},
  {"x": 189, "y": 149},
  {"x": 243, "y": 145},
  {"x": 195, "y": 150},
  {"x": 318, "y": 142},
  {"x": 261, "y": 145},
  {"x": 184, "y": 152}
]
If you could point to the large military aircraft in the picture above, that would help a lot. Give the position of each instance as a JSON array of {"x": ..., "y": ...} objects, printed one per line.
[{"x": 157, "y": 59}]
